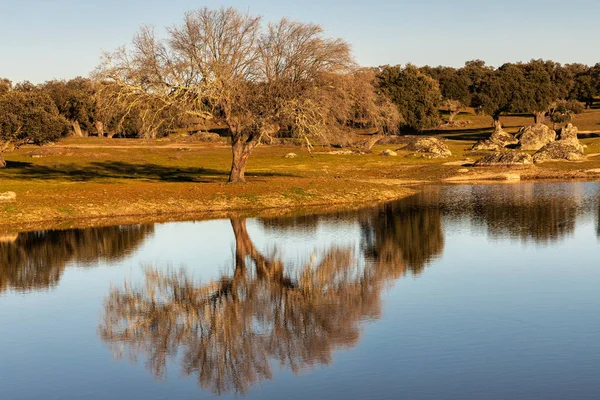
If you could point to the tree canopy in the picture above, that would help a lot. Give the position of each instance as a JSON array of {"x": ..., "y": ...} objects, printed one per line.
[
  {"x": 28, "y": 117},
  {"x": 228, "y": 67},
  {"x": 416, "y": 94}
]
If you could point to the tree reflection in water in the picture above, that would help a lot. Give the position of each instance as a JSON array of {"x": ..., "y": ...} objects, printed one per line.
[
  {"x": 36, "y": 260},
  {"x": 228, "y": 332}
]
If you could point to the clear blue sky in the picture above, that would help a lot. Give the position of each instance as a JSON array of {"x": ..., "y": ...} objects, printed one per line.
[{"x": 46, "y": 39}]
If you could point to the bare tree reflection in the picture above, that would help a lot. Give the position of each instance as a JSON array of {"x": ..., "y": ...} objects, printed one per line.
[
  {"x": 36, "y": 260},
  {"x": 229, "y": 330}
]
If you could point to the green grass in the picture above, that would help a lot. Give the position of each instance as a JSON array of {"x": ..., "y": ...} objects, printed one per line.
[{"x": 92, "y": 178}]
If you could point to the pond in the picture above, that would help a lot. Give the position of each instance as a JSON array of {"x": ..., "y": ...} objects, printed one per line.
[{"x": 459, "y": 292}]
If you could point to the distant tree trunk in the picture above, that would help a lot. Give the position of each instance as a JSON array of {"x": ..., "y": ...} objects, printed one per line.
[
  {"x": 589, "y": 102},
  {"x": 2, "y": 161},
  {"x": 99, "y": 128},
  {"x": 111, "y": 134},
  {"x": 77, "y": 129},
  {"x": 453, "y": 114},
  {"x": 372, "y": 141},
  {"x": 539, "y": 117},
  {"x": 496, "y": 122}
]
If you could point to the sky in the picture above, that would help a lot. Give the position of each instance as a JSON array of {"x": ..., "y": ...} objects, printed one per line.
[{"x": 60, "y": 39}]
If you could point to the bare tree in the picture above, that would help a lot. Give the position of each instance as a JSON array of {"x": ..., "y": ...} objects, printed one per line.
[{"x": 225, "y": 66}]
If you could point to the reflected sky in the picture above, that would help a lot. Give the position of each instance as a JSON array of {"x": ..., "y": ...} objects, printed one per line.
[{"x": 460, "y": 292}]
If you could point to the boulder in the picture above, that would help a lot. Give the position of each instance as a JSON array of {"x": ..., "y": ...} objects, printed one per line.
[
  {"x": 487, "y": 145},
  {"x": 568, "y": 134},
  {"x": 535, "y": 137},
  {"x": 8, "y": 196},
  {"x": 559, "y": 150},
  {"x": 505, "y": 159},
  {"x": 503, "y": 138},
  {"x": 291, "y": 155},
  {"x": 429, "y": 147},
  {"x": 389, "y": 153},
  {"x": 497, "y": 141}
]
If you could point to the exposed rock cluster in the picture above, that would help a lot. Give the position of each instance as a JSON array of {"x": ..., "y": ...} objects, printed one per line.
[
  {"x": 505, "y": 159},
  {"x": 429, "y": 147},
  {"x": 537, "y": 137}
]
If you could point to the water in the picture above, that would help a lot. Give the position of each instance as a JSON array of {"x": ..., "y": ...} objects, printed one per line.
[{"x": 461, "y": 292}]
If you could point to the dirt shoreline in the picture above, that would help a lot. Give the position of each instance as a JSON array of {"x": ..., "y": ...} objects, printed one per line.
[{"x": 216, "y": 211}]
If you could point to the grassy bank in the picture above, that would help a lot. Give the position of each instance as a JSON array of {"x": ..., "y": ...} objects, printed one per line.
[{"x": 99, "y": 181}]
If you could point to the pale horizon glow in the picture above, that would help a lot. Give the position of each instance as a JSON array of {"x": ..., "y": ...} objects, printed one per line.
[{"x": 42, "y": 40}]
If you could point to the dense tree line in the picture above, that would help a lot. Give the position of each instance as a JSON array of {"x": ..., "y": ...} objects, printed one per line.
[{"x": 226, "y": 69}]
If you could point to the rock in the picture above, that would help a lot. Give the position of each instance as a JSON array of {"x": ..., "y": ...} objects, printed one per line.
[
  {"x": 429, "y": 147},
  {"x": 340, "y": 152},
  {"x": 568, "y": 134},
  {"x": 291, "y": 155},
  {"x": 463, "y": 170},
  {"x": 45, "y": 152},
  {"x": 503, "y": 138},
  {"x": 389, "y": 152},
  {"x": 505, "y": 159},
  {"x": 487, "y": 145},
  {"x": 210, "y": 137},
  {"x": 497, "y": 141},
  {"x": 559, "y": 150},
  {"x": 8, "y": 196},
  {"x": 535, "y": 137}
]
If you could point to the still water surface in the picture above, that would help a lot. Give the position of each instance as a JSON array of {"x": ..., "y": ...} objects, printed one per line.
[{"x": 461, "y": 292}]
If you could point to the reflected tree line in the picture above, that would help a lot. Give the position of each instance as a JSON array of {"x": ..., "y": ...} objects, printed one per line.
[
  {"x": 542, "y": 214},
  {"x": 36, "y": 260},
  {"x": 229, "y": 332}
]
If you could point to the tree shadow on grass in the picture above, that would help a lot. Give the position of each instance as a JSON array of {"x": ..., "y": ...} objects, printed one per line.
[{"x": 119, "y": 170}]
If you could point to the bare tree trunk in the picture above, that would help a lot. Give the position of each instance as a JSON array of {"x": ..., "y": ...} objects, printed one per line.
[
  {"x": 99, "y": 128},
  {"x": 244, "y": 247},
  {"x": 77, "y": 128},
  {"x": 242, "y": 146},
  {"x": 240, "y": 153},
  {"x": 368, "y": 145},
  {"x": 496, "y": 123},
  {"x": 539, "y": 117},
  {"x": 2, "y": 161},
  {"x": 452, "y": 115}
]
